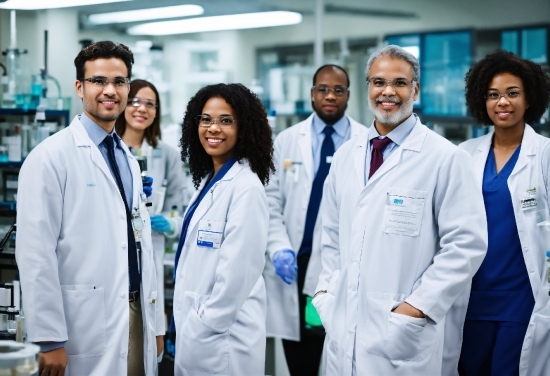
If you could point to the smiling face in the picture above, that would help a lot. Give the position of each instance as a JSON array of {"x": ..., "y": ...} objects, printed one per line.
[
  {"x": 391, "y": 105},
  {"x": 104, "y": 104},
  {"x": 506, "y": 112},
  {"x": 329, "y": 106},
  {"x": 218, "y": 141},
  {"x": 140, "y": 118}
]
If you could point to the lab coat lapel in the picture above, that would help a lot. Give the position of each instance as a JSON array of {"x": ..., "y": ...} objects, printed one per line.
[
  {"x": 201, "y": 209},
  {"x": 359, "y": 159},
  {"x": 304, "y": 142},
  {"x": 480, "y": 156},
  {"x": 528, "y": 150},
  {"x": 208, "y": 199},
  {"x": 413, "y": 142},
  {"x": 83, "y": 140}
]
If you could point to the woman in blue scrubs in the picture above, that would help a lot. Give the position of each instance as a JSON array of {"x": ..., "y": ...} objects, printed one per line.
[
  {"x": 219, "y": 295},
  {"x": 512, "y": 164}
]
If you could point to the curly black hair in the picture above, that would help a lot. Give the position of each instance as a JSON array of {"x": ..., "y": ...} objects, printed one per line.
[
  {"x": 104, "y": 49},
  {"x": 254, "y": 133},
  {"x": 536, "y": 84}
]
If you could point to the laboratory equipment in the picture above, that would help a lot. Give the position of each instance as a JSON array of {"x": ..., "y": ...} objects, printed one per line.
[
  {"x": 14, "y": 146},
  {"x": 158, "y": 197},
  {"x": 19, "y": 359},
  {"x": 142, "y": 161},
  {"x": 8, "y": 308},
  {"x": 14, "y": 94}
]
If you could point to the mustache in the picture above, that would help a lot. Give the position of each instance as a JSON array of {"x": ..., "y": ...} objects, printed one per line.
[
  {"x": 115, "y": 99},
  {"x": 384, "y": 98}
]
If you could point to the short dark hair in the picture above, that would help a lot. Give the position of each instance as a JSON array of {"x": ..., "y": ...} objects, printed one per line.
[
  {"x": 152, "y": 133},
  {"x": 254, "y": 138},
  {"x": 536, "y": 84},
  {"x": 103, "y": 50},
  {"x": 330, "y": 66}
]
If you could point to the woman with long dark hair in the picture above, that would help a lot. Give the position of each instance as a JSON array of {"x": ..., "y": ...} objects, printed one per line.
[{"x": 219, "y": 296}]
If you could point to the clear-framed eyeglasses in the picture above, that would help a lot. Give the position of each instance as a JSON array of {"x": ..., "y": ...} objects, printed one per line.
[
  {"x": 136, "y": 102},
  {"x": 323, "y": 90},
  {"x": 101, "y": 81},
  {"x": 495, "y": 96},
  {"x": 224, "y": 121},
  {"x": 381, "y": 83}
]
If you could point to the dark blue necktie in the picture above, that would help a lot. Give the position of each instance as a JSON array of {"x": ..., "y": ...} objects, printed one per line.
[
  {"x": 327, "y": 150},
  {"x": 133, "y": 268}
]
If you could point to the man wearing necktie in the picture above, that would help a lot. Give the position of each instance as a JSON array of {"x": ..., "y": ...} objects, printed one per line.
[
  {"x": 84, "y": 247},
  {"x": 403, "y": 233},
  {"x": 303, "y": 155}
]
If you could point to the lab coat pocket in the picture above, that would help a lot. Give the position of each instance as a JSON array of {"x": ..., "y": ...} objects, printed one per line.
[
  {"x": 375, "y": 336},
  {"x": 202, "y": 348},
  {"x": 84, "y": 308},
  {"x": 410, "y": 338},
  {"x": 537, "y": 342},
  {"x": 403, "y": 211},
  {"x": 210, "y": 233}
]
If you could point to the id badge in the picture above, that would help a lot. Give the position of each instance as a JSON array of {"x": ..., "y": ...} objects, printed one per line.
[
  {"x": 209, "y": 239},
  {"x": 529, "y": 199},
  {"x": 157, "y": 153}
]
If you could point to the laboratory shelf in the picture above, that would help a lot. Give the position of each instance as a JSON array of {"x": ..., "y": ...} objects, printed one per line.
[
  {"x": 49, "y": 113},
  {"x": 7, "y": 165}
]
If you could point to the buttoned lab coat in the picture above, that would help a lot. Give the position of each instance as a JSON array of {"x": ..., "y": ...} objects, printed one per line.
[
  {"x": 72, "y": 254},
  {"x": 288, "y": 195},
  {"x": 416, "y": 232},
  {"x": 219, "y": 297},
  {"x": 531, "y": 171},
  {"x": 168, "y": 166}
]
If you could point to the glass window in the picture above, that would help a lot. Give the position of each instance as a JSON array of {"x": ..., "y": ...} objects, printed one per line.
[
  {"x": 534, "y": 44},
  {"x": 446, "y": 57}
]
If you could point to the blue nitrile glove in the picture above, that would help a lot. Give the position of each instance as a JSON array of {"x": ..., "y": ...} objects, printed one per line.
[
  {"x": 147, "y": 182},
  {"x": 159, "y": 223},
  {"x": 285, "y": 265}
]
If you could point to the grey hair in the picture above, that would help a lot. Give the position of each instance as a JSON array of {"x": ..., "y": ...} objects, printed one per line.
[{"x": 395, "y": 52}]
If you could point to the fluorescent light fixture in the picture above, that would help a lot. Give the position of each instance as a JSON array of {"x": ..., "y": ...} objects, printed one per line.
[
  {"x": 146, "y": 14},
  {"x": 48, "y": 4},
  {"x": 216, "y": 23}
]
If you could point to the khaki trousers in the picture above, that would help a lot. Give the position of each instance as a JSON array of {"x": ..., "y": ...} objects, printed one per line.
[{"x": 135, "y": 342}]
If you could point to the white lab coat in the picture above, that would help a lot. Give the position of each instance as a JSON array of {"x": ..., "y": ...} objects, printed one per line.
[
  {"x": 71, "y": 250},
  {"x": 531, "y": 170},
  {"x": 377, "y": 254},
  {"x": 288, "y": 194},
  {"x": 165, "y": 165},
  {"x": 219, "y": 297}
]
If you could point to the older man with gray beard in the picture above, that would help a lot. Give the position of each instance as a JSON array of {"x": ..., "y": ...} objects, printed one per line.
[{"x": 403, "y": 232}]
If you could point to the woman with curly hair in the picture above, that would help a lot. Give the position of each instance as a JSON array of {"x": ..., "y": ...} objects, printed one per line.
[
  {"x": 508, "y": 316},
  {"x": 219, "y": 296}
]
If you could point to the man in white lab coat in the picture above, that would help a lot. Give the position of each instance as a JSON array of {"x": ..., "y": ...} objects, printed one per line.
[
  {"x": 302, "y": 157},
  {"x": 403, "y": 232},
  {"x": 83, "y": 245}
]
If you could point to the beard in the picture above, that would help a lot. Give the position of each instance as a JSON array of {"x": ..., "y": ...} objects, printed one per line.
[
  {"x": 391, "y": 119},
  {"x": 329, "y": 119}
]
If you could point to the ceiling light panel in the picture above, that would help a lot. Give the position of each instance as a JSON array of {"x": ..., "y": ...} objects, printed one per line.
[
  {"x": 217, "y": 23},
  {"x": 49, "y": 4},
  {"x": 146, "y": 14}
]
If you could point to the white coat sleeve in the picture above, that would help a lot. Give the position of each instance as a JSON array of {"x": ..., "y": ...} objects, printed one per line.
[
  {"x": 39, "y": 217},
  {"x": 330, "y": 250},
  {"x": 462, "y": 227},
  {"x": 175, "y": 188},
  {"x": 278, "y": 236},
  {"x": 242, "y": 258}
]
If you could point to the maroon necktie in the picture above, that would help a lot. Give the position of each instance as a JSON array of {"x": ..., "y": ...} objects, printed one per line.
[{"x": 377, "y": 158}]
